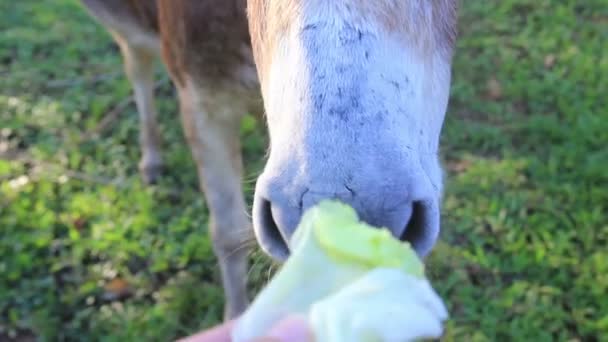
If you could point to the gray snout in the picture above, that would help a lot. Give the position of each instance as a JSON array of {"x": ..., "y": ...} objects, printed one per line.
[{"x": 277, "y": 212}]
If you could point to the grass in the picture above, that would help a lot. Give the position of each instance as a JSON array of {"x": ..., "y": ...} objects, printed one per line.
[{"x": 88, "y": 253}]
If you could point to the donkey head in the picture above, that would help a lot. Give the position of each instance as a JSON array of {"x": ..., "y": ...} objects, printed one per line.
[{"x": 355, "y": 94}]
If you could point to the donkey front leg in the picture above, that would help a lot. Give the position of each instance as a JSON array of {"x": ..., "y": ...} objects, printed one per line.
[
  {"x": 211, "y": 120},
  {"x": 139, "y": 67}
]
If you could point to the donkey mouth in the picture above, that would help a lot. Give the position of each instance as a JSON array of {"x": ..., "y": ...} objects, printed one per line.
[{"x": 273, "y": 232}]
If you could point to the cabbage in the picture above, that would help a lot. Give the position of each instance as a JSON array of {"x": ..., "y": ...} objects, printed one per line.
[{"x": 352, "y": 281}]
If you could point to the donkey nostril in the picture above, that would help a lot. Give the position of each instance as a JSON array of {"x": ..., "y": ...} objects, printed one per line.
[
  {"x": 421, "y": 229},
  {"x": 270, "y": 233}
]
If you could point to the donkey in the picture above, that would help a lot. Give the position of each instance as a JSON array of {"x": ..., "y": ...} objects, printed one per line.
[{"x": 355, "y": 93}]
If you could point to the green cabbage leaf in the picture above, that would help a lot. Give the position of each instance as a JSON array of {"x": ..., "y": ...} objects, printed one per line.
[{"x": 354, "y": 283}]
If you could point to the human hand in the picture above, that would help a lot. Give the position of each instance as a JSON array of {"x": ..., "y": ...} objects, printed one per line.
[{"x": 291, "y": 329}]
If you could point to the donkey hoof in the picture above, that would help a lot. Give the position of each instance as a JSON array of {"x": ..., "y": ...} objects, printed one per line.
[{"x": 151, "y": 174}]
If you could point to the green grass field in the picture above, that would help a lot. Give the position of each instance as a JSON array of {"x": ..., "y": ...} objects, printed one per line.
[{"x": 88, "y": 253}]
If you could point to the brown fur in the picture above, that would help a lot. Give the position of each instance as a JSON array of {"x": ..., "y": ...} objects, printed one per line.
[
  {"x": 198, "y": 36},
  {"x": 143, "y": 13},
  {"x": 204, "y": 37}
]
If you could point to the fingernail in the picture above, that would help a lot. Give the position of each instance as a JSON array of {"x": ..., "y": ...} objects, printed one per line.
[{"x": 292, "y": 329}]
